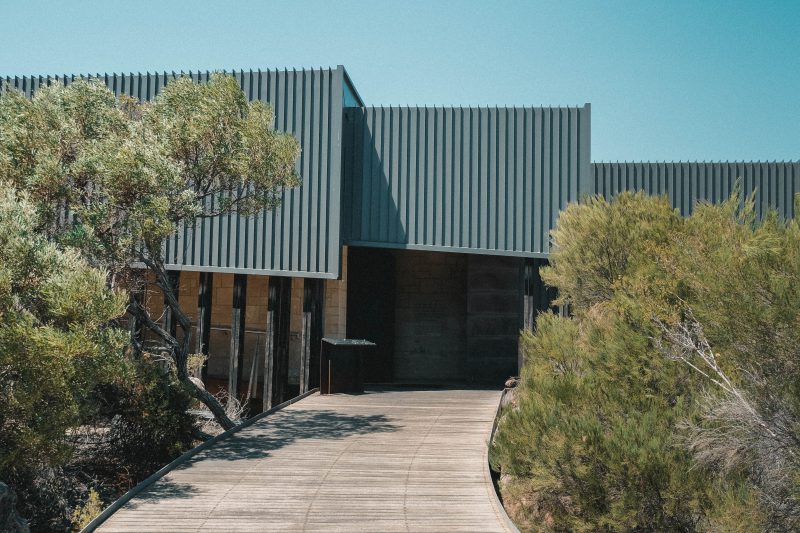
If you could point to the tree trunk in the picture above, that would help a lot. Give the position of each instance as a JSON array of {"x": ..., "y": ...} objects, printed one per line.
[
  {"x": 208, "y": 399},
  {"x": 181, "y": 358},
  {"x": 179, "y": 350}
]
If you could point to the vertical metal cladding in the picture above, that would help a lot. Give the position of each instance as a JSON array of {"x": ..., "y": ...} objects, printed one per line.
[
  {"x": 468, "y": 179},
  {"x": 775, "y": 184},
  {"x": 300, "y": 238}
]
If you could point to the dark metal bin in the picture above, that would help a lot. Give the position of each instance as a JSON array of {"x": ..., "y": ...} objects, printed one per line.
[{"x": 342, "y": 365}]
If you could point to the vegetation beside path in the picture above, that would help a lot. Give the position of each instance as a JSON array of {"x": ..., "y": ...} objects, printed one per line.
[
  {"x": 94, "y": 389},
  {"x": 670, "y": 399}
]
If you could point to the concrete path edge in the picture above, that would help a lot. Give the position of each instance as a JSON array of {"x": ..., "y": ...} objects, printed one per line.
[{"x": 498, "y": 504}]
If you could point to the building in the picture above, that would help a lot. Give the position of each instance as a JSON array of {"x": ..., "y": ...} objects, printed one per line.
[{"x": 420, "y": 228}]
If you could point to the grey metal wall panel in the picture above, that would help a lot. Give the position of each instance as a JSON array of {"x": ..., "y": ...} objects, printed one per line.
[
  {"x": 775, "y": 184},
  {"x": 302, "y": 237},
  {"x": 483, "y": 180}
]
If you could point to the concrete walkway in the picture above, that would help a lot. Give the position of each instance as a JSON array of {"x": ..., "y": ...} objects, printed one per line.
[{"x": 393, "y": 460}]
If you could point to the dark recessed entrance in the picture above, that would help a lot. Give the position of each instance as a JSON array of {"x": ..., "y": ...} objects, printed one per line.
[
  {"x": 371, "y": 308},
  {"x": 435, "y": 317}
]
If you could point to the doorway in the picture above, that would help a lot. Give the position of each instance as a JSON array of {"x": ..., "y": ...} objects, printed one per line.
[{"x": 371, "y": 308}]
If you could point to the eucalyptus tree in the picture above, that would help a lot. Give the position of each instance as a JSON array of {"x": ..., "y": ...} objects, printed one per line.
[{"x": 114, "y": 178}]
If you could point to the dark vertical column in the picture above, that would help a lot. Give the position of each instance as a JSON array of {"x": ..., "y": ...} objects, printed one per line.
[
  {"x": 134, "y": 324},
  {"x": 371, "y": 307},
  {"x": 283, "y": 316},
  {"x": 237, "y": 334},
  {"x": 276, "y": 353},
  {"x": 528, "y": 310},
  {"x": 313, "y": 305},
  {"x": 530, "y": 279},
  {"x": 170, "y": 326},
  {"x": 205, "y": 284},
  {"x": 317, "y": 330},
  {"x": 269, "y": 348},
  {"x": 536, "y": 297}
]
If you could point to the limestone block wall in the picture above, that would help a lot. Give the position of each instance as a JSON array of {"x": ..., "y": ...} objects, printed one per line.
[
  {"x": 221, "y": 304},
  {"x": 220, "y": 337},
  {"x": 457, "y": 317},
  {"x": 187, "y": 294},
  {"x": 336, "y": 303},
  {"x": 335, "y": 312},
  {"x": 255, "y": 325}
]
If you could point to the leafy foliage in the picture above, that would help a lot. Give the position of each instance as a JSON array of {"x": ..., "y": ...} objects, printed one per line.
[
  {"x": 56, "y": 347},
  {"x": 741, "y": 309},
  {"x": 54, "y": 343},
  {"x": 603, "y": 248},
  {"x": 149, "y": 424},
  {"x": 588, "y": 447},
  {"x": 88, "y": 511},
  {"x": 130, "y": 171},
  {"x": 115, "y": 177},
  {"x": 670, "y": 400}
]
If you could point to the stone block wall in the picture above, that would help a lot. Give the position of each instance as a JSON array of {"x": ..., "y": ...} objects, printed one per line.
[
  {"x": 430, "y": 316},
  {"x": 221, "y": 312},
  {"x": 493, "y": 316},
  {"x": 335, "y": 308},
  {"x": 457, "y": 317},
  {"x": 295, "y": 330},
  {"x": 187, "y": 294},
  {"x": 336, "y": 304}
]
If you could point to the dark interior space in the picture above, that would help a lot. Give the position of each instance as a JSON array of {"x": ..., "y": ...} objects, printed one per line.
[
  {"x": 436, "y": 317},
  {"x": 371, "y": 308}
]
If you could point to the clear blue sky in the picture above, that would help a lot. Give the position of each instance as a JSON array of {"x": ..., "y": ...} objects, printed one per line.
[{"x": 667, "y": 80}]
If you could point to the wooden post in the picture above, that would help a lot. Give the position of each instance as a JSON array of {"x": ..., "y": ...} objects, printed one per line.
[
  {"x": 169, "y": 320},
  {"x": 313, "y": 305},
  {"x": 276, "y": 353},
  {"x": 282, "y": 347},
  {"x": 237, "y": 334},
  {"x": 205, "y": 284}
]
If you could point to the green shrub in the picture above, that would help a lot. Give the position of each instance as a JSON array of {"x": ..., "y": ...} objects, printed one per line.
[
  {"x": 149, "y": 425},
  {"x": 75, "y": 409},
  {"x": 589, "y": 445},
  {"x": 55, "y": 343},
  {"x": 671, "y": 399},
  {"x": 87, "y": 512}
]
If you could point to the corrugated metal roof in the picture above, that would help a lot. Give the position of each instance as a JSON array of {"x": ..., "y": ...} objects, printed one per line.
[
  {"x": 487, "y": 180},
  {"x": 685, "y": 184},
  {"x": 482, "y": 180},
  {"x": 301, "y": 237}
]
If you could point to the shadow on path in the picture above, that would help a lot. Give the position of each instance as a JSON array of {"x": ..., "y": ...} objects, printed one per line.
[
  {"x": 259, "y": 440},
  {"x": 270, "y": 434}
]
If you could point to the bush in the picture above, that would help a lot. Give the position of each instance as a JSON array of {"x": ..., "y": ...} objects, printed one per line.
[
  {"x": 671, "y": 399},
  {"x": 588, "y": 446},
  {"x": 87, "y": 512},
  {"x": 149, "y": 423},
  {"x": 76, "y": 412},
  {"x": 131, "y": 425},
  {"x": 55, "y": 343}
]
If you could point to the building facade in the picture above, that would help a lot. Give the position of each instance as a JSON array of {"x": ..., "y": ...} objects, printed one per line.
[{"x": 419, "y": 228}]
